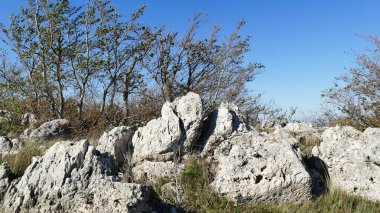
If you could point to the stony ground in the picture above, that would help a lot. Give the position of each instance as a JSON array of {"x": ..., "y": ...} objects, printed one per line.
[{"x": 187, "y": 160}]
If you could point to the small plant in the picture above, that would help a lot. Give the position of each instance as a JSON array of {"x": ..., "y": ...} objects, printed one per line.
[{"x": 20, "y": 161}]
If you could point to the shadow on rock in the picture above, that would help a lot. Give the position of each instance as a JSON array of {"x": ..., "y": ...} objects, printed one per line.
[{"x": 317, "y": 169}]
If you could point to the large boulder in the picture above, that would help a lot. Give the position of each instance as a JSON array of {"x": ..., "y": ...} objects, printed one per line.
[
  {"x": 254, "y": 168},
  {"x": 74, "y": 177},
  {"x": 176, "y": 130},
  {"x": 189, "y": 110},
  {"x": 220, "y": 124},
  {"x": 352, "y": 159},
  {"x": 49, "y": 130},
  {"x": 118, "y": 143},
  {"x": 159, "y": 146},
  {"x": 5, "y": 174},
  {"x": 28, "y": 119}
]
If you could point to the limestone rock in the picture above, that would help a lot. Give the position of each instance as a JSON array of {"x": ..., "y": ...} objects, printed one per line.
[
  {"x": 5, "y": 145},
  {"x": 118, "y": 143},
  {"x": 49, "y": 130},
  {"x": 73, "y": 177},
  {"x": 352, "y": 159},
  {"x": 28, "y": 119},
  {"x": 16, "y": 145},
  {"x": 299, "y": 127},
  {"x": 221, "y": 123},
  {"x": 176, "y": 129},
  {"x": 8, "y": 146},
  {"x": 152, "y": 171},
  {"x": 5, "y": 173},
  {"x": 252, "y": 168},
  {"x": 272, "y": 123},
  {"x": 189, "y": 110}
]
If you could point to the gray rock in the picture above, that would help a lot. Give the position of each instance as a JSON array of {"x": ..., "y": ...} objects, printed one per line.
[
  {"x": 221, "y": 123},
  {"x": 8, "y": 146},
  {"x": 118, "y": 143},
  {"x": 28, "y": 119},
  {"x": 49, "y": 130},
  {"x": 190, "y": 111},
  {"x": 272, "y": 123},
  {"x": 5, "y": 145},
  {"x": 352, "y": 159},
  {"x": 16, "y": 145},
  {"x": 176, "y": 130},
  {"x": 5, "y": 173},
  {"x": 152, "y": 171},
  {"x": 299, "y": 127},
  {"x": 254, "y": 168},
  {"x": 72, "y": 177}
]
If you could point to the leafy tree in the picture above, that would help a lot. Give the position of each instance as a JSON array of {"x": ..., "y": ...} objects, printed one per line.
[{"x": 356, "y": 93}]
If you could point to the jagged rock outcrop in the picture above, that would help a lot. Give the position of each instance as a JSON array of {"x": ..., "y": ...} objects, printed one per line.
[
  {"x": 5, "y": 173},
  {"x": 189, "y": 110},
  {"x": 253, "y": 167},
  {"x": 167, "y": 138},
  {"x": 118, "y": 143},
  {"x": 5, "y": 145},
  {"x": 352, "y": 159},
  {"x": 221, "y": 123},
  {"x": 8, "y": 146},
  {"x": 178, "y": 127},
  {"x": 47, "y": 131},
  {"x": 74, "y": 177},
  {"x": 28, "y": 119}
]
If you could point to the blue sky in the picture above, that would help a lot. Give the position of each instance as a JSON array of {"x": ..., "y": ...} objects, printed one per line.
[{"x": 302, "y": 43}]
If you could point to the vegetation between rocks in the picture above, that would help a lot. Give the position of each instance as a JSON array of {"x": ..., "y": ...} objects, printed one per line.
[{"x": 198, "y": 196}]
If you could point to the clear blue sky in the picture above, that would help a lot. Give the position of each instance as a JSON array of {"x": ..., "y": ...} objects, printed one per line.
[{"x": 302, "y": 43}]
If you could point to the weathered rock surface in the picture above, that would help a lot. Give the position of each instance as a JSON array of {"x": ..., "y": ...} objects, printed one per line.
[
  {"x": 118, "y": 143},
  {"x": 28, "y": 119},
  {"x": 252, "y": 167},
  {"x": 299, "y": 127},
  {"x": 5, "y": 145},
  {"x": 221, "y": 123},
  {"x": 352, "y": 159},
  {"x": 72, "y": 177},
  {"x": 5, "y": 173},
  {"x": 272, "y": 123},
  {"x": 48, "y": 130},
  {"x": 178, "y": 127},
  {"x": 8, "y": 146},
  {"x": 153, "y": 171},
  {"x": 190, "y": 111}
]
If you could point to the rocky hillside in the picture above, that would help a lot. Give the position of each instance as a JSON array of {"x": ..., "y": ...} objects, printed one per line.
[{"x": 125, "y": 171}]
